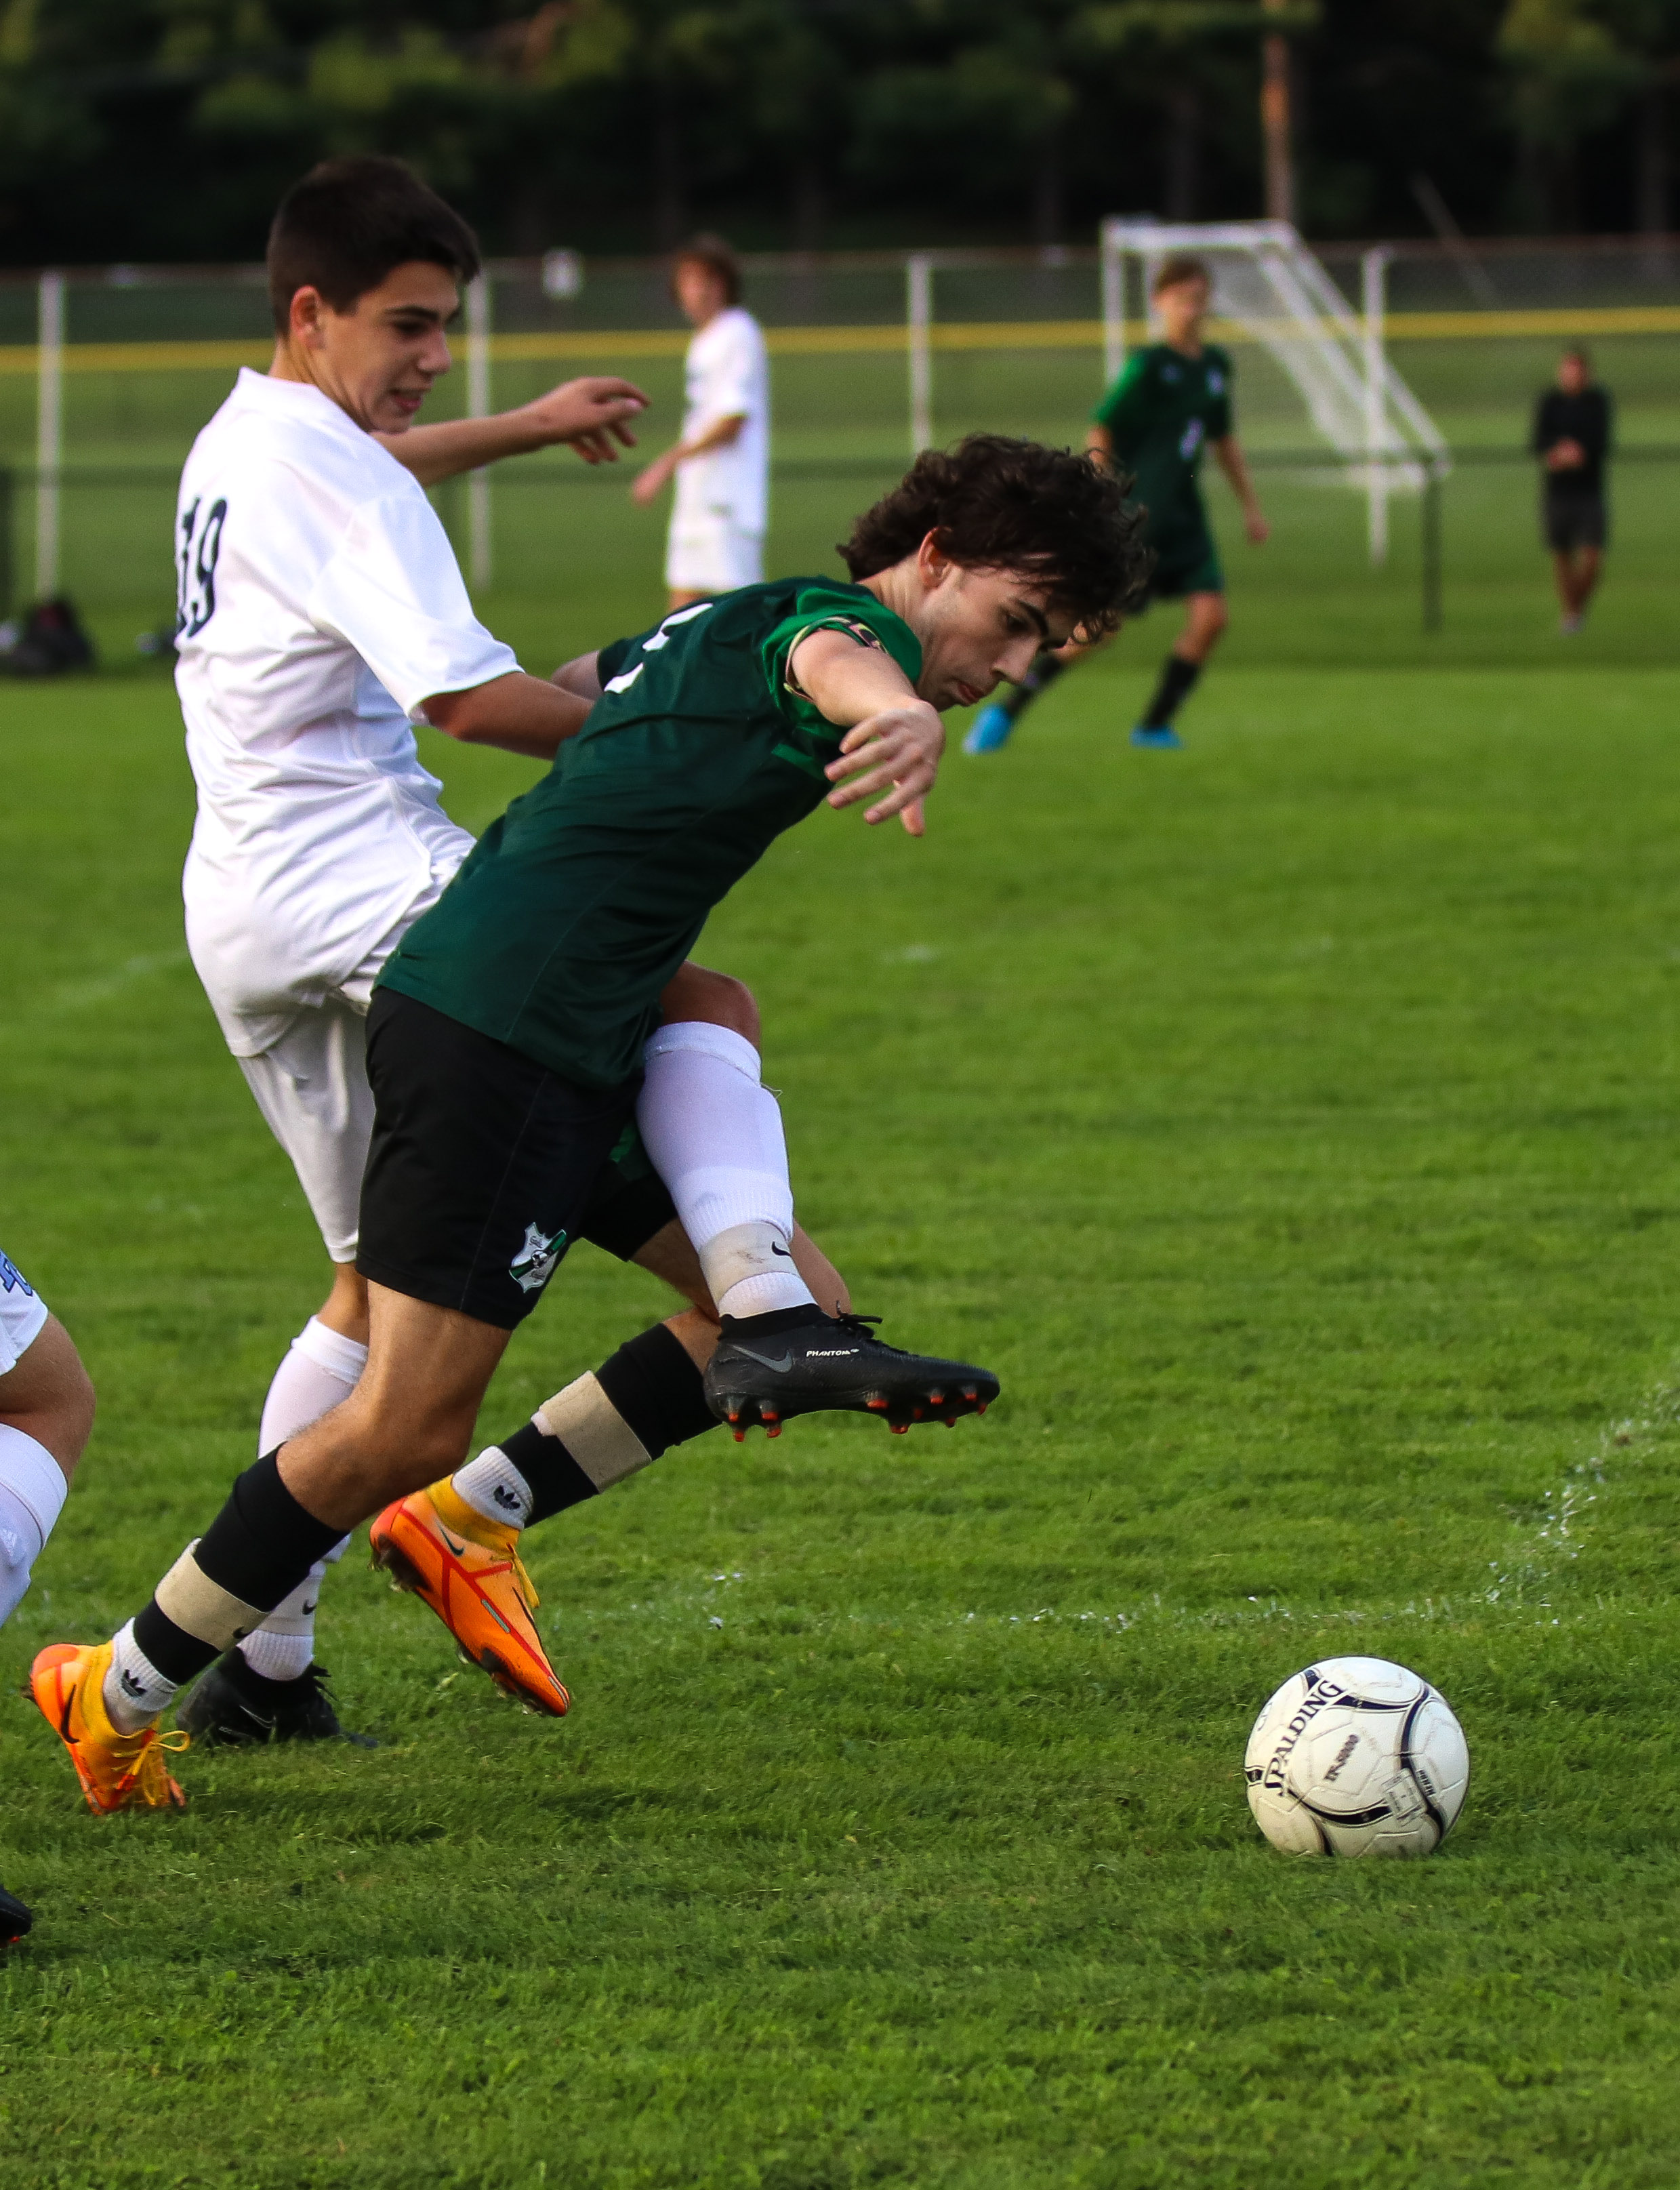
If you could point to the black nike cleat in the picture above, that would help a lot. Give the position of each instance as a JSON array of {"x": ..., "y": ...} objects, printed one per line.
[
  {"x": 234, "y": 1704},
  {"x": 14, "y": 1919},
  {"x": 798, "y": 1361}
]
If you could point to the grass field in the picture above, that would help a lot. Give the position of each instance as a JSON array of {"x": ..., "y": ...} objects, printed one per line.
[{"x": 1290, "y": 1122}]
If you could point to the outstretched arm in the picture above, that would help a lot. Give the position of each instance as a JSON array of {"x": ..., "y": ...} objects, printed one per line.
[
  {"x": 893, "y": 738},
  {"x": 590, "y": 414},
  {"x": 1235, "y": 466},
  {"x": 519, "y": 713},
  {"x": 581, "y": 676}
]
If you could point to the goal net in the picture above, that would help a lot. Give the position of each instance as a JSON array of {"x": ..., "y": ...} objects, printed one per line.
[{"x": 1270, "y": 289}]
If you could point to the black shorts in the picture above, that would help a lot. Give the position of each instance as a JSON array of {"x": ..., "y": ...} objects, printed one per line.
[
  {"x": 484, "y": 1166},
  {"x": 1571, "y": 520}
]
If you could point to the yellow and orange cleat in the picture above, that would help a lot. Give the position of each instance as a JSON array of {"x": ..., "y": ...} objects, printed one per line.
[
  {"x": 117, "y": 1771},
  {"x": 469, "y": 1570}
]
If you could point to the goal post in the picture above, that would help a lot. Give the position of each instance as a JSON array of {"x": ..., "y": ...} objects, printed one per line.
[{"x": 1269, "y": 286}]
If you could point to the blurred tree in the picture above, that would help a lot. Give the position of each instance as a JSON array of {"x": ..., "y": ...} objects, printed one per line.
[{"x": 1570, "y": 74}]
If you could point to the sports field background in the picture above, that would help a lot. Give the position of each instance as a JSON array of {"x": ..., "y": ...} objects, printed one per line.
[
  {"x": 841, "y": 435},
  {"x": 1292, "y": 1123}
]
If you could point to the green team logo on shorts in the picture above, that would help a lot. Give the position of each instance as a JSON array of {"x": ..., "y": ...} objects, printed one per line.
[{"x": 537, "y": 1260}]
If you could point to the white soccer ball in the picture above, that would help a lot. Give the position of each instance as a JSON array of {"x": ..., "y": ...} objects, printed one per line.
[{"x": 1356, "y": 1756}]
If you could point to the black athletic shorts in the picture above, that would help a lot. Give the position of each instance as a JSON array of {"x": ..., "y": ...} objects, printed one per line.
[
  {"x": 484, "y": 1166},
  {"x": 1571, "y": 520}
]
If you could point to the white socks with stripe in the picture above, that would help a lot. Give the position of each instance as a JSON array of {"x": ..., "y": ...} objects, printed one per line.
[
  {"x": 32, "y": 1488},
  {"x": 713, "y": 1133},
  {"x": 319, "y": 1372}
]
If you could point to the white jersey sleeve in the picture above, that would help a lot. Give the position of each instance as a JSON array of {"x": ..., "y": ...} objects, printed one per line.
[{"x": 392, "y": 590}]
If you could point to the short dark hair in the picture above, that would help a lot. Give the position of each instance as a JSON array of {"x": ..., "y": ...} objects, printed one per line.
[
  {"x": 719, "y": 259},
  {"x": 994, "y": 503},
  {"x": 351, "y": 222},
  {"x": 1181, "y": 266}
]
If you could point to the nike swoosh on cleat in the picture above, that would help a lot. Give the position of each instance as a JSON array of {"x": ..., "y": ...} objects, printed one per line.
[{"x": 777, "y": 1368}]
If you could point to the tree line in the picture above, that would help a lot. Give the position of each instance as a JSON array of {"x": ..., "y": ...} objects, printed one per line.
[{"x": 164, "y": 130}]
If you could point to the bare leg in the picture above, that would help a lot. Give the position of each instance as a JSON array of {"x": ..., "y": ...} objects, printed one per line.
[
  {"x": 1205, "y": 623},
  {"x": 1588, "y": 562},
  {"x": 345, "y": 1308},
  {"x": 408, "y": 1420},
  {"x": 48, "y": 1396}
]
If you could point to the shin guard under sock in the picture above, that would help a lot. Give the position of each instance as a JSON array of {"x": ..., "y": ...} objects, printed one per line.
[{"x": 1178, "y": 680}]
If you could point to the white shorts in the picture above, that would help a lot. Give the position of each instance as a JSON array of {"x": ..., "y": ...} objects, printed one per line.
[
  {"x": 22, "y": 1314},
  {"x": 312, "y": 1088},
  {"x": 710, "y": 553}
]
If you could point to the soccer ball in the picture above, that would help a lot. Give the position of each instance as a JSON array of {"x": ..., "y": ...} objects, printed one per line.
[{"x": 1356, "y": 1756}]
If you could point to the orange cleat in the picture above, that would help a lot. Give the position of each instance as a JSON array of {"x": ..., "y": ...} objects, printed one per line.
[
  {"x": 117, "y": 1771},
  {"x": 469, "y": 1570}
]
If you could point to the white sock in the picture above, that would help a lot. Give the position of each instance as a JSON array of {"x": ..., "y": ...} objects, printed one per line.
[
  {"x": 493, "y": 1486},
  {"x": 32, "y": 1489},
  {"x": 713, "y": 1132},
  {"x": 135, "y": 1692},
  {"x": 319, "y": 1372}
]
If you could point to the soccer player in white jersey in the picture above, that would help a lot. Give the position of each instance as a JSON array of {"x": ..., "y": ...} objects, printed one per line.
[
  {"x": 722, "y": 463},
  {"x": 46, "y": 1412},
  {"x": 321, "y": 612}
]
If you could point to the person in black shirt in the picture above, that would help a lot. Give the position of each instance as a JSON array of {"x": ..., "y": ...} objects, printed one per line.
[{"x": 1572, "y": 439}]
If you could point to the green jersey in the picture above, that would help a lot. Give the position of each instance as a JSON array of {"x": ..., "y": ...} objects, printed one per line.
[
  {"x": 574, "y": 909},
  {"x": 1161, "y": 412}
]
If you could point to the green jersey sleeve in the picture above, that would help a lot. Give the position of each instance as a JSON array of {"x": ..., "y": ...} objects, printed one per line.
[
  {"x": 1123, "y": 410},
  {"x": 611, "y": 659},
  {"x": 849, "y": 608}
]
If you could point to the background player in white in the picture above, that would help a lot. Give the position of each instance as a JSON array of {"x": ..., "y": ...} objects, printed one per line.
[
  {"x": 321, "y": 612},
  {"x": 46, "y": 1413},
  {"x": 722, "y": 463}
]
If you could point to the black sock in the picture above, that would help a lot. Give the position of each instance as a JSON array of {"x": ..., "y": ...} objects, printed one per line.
[
  {"x": 259, "y": 1548},
  {"x": 1045, "y": 670},
  {"x": 656, "y": 1390},
  {"x": 1177, "y": 678}
]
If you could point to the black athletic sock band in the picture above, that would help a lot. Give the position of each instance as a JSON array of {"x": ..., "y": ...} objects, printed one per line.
[
  {"x": 553, "y": 1478},
  {"x": 1177, "y": 679},
  {"x": 1045, "y": 670},
  {"x": 258, "y": 1549},
  {"x": 657, "y": 1389}
]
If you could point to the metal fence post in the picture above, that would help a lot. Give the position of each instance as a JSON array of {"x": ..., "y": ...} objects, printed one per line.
[
  {"x": 1374, "y": 282},
  {"x": 1114, "y": 305},
  {"x": 48, "y": 431},
  {"x": 1432, "y": 483},
  {"x": 478, "y": 559},
  {"x": 918, "y": 271},
  {"x": 7, "y": 503}
]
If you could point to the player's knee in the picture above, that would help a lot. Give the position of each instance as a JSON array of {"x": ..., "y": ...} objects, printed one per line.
[
  {"x": 696, "y": 992},
  {"x": 49, "y": 1395}
]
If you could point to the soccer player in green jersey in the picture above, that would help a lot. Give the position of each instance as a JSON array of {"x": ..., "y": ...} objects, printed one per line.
[
  {"x": 506, "y": 1054},
  {"x": 1172, "y": 402}
]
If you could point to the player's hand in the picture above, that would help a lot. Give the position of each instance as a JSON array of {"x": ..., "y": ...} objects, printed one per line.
[
  {"x": 650, "y": 483},
  {"x": 591, "y": 414},
  {"x": 1255, "y": 525},
  {"x": 897, "y": 751}
]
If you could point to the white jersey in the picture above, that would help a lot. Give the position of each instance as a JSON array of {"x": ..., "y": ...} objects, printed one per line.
[
  {"x": 320, "y": 605},
  {"x": 726, "y": 375}
]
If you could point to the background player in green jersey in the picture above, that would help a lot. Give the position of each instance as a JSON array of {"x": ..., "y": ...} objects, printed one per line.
[{"x": 1172, "y": 402}]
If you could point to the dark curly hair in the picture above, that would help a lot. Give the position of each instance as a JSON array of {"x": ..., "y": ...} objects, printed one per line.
[{"x": 999, "y": 504}]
